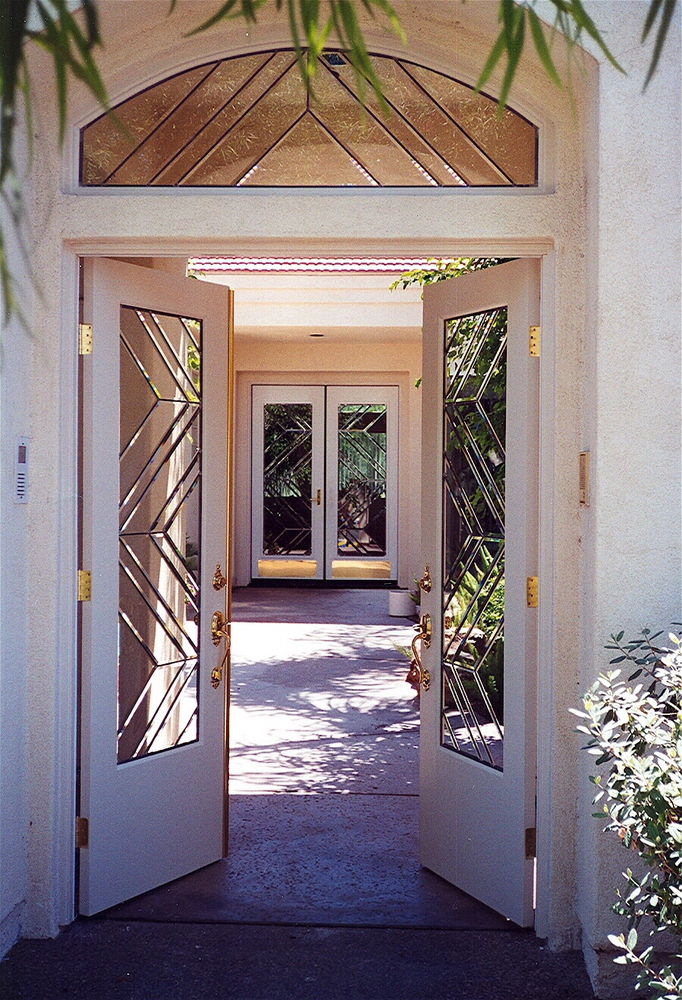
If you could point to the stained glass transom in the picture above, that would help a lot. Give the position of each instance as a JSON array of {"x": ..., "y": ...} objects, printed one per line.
[
  {"x": 248, "y": 121},
  {"x": 474, "y": 422},
  {"x": 159, "y": 509}
]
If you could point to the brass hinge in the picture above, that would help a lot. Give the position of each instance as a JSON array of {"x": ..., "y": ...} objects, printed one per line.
[
  {"x": 84, "y": 584},
  {"x": 532, "y": 591},
  {"x": 82, "y": 831},
  {"x": 530, "y": 842},
  {"x": 534, "y": 341},
  {"x": 85, "y": 338}
]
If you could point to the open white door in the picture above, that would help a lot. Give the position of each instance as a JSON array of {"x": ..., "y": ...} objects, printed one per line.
[
  {"x": 480, "y": 485},
  {"x": 155, "y": 491}
]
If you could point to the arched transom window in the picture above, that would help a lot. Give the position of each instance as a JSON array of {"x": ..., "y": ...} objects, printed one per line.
[{"x": 249, "y": 121}]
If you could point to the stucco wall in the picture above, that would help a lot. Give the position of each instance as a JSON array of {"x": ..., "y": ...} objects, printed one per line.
[
  {"x": 616, "y": 564},
  {"x": 632, "y": 532}
]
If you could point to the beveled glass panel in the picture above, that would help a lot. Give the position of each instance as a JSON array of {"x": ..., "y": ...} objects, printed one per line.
[
  {"x": 474, "y": 422},
  {"x": 245, "y": 121},
  {"x": 287, "y": 479},
  {"x": 183, "y": 124},
  {"x": 436, "y": 127},
  {"x": 108, "y": 140},
  {"x": 509, "y": 139},
  {"x": 362, "y": 463},
  {"x": 179, "y": 170},
  {"x": 159, "y": 533},
  {"x": 298, "y": 158},
  {"x": 363, "y": 136},
  {"x": 255, "y": 134}
]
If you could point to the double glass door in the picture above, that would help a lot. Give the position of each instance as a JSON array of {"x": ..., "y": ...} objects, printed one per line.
[{"x": 324, "y": 482}]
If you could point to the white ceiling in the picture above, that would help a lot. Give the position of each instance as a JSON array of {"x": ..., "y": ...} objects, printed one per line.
[{"x": 347, "y": 306}]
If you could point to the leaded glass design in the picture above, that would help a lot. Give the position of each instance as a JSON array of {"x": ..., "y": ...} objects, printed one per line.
[
  {"x": 287, "y": 479},
  {"x": 249, "y": 121},
  {"x": 159, "y": 557},
  {"x": 362, "y": 480},
  {"x": 474, "y": 420}
]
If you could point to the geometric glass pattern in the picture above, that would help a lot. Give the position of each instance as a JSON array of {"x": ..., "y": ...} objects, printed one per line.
[
  {"x": 159, "y": 508},
  {"x": 249, "y": 120},
  {"x": 474, "y": 421},
  {"x": 287, "y": 479},
  {"x": 362, "y": 480}
]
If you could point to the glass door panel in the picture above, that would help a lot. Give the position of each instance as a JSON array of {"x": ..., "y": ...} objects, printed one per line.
[
  {"x": 159, "y": 537},
  {"x": 288, "y": 482},
  {"x": 474, "y": 430},
  {"x": 362, "y": 461}
]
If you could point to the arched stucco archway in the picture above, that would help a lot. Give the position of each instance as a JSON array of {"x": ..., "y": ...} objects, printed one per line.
[{"x": 576, "y": 219}]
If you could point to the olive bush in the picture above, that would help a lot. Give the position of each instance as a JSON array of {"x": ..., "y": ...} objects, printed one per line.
[{"x": 634, "y": 729}]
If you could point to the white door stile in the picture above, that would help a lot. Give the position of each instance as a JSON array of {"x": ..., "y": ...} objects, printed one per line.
[
  {"x": 158, "y": 817},
  {"x": 473, "y": 817}
]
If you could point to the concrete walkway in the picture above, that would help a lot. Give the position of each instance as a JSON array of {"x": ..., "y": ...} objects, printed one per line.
[{"x": 322, "y": 895}]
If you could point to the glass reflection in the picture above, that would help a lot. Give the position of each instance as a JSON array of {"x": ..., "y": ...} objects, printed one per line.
[
  {"x": 159, "y": 558},
  {"x": 474, "y": 421}
]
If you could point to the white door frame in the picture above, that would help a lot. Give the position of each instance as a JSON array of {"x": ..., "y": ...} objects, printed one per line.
[{"x": 67, "y": 608}]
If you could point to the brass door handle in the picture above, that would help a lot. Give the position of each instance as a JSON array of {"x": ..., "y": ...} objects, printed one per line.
[
  {"x": 218, "y": 628},
  {"x": 217, "y": 672},
  {"x": 426, "y": 583},
  {"x": 219, "y": 578},
  {"x": 418, "y": 675}
]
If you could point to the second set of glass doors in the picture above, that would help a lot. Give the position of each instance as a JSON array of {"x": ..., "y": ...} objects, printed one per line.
[{"x": 324, "y": 482}]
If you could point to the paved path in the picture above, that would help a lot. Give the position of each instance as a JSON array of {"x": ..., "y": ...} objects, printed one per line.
[{"x": 322, "y": 896}]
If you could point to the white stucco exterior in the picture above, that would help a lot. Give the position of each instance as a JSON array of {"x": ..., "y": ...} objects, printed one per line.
[{"x": 606, "y": 221}]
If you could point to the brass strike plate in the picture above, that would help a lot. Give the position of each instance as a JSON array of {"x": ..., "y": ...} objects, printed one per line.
[{"x": 532, "y": 591}]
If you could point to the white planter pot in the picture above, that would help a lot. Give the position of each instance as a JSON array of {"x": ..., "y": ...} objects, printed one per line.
[{"x": 400, "y": 604}]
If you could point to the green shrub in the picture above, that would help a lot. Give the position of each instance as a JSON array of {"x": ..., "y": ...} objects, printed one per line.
[{"x": 635, "y": 731}]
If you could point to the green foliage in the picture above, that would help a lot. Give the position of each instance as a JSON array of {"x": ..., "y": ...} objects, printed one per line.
[
  {"x": 439, "y": 269},
  {"x": 635, "y": 731},
  {"x": 574, "y": 24}
]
